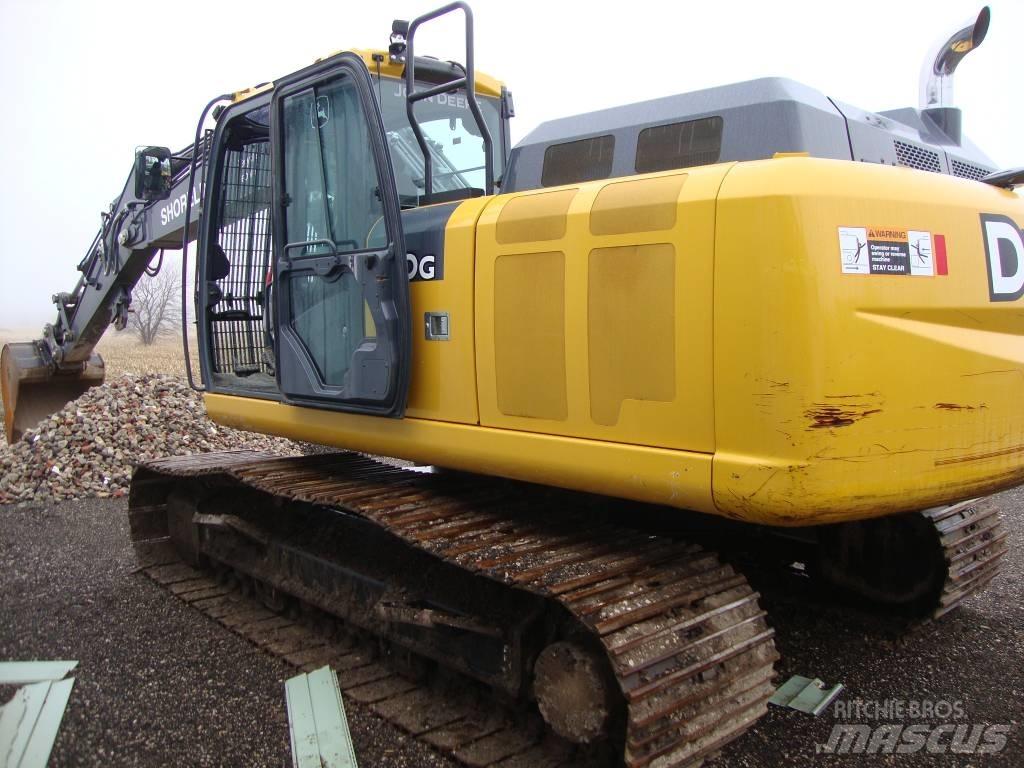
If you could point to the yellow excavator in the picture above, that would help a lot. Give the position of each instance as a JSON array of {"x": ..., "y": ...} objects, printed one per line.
[{"x": 752, "y": 302}]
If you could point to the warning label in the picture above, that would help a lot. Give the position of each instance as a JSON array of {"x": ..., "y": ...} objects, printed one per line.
[
  {"x": 888, "y": 251},
  {"x": 853, "y": 243},
  {"x": 922, "y": 259},
  {"x": 885, "y": 251}
]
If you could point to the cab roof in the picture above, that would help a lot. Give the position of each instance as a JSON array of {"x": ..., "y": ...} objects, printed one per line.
[{"x": 485, "y": 84}]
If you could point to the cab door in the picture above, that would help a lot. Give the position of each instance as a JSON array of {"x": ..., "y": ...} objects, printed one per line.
[{"x": 341, "y": 293}]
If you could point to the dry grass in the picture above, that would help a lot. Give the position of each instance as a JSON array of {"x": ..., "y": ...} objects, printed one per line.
[{"x": 124, "y": 353}]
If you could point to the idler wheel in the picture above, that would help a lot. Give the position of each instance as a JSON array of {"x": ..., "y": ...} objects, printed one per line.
[{"x": 573, "y": 692}]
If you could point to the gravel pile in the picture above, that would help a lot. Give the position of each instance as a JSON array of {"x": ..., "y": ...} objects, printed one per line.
[{"x": 88, "y": 448}]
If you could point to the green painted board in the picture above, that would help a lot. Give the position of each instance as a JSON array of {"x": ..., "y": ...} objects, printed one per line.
[
  {"x": 332, "y": 732},
  {"x": 302, "y": 726},
  {"x": 34, "y": 696},
  {"x": 805, "y": 695},
  {"x": 11, "y": 716},
  {"x": 814, "y": 699},
  {"x": 37, "y": 751},
  {"x": 789, "y": 690},
  {"x": 21, "y": 672},
  {"x": 317, "y": 723}
]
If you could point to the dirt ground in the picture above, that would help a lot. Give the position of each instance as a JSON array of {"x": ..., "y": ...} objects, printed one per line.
[
  {"x": 971, "y": 661},
  {"x": 159, "y": 684}
]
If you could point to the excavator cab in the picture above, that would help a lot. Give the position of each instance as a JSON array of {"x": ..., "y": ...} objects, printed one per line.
[
  {"x": 294, "y": 248},
  {"x": 304, "y": 273},
  {"x": 297, "y": 203}
]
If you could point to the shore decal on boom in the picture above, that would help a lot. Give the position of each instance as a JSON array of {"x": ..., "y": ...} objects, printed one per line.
[
  {"x": 174, "y": 209},
  {"x": 1004, "y": 257},
  {"x": 891, "y": 251}
]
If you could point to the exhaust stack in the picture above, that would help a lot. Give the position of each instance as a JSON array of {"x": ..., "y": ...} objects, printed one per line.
[{"x": 936, "y": 98}]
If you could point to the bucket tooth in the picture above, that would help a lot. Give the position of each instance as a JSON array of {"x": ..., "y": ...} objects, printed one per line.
[{"x": 32, "y": 390}]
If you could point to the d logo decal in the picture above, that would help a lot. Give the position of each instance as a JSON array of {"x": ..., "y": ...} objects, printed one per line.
[{"x": 1004, "y": 257}]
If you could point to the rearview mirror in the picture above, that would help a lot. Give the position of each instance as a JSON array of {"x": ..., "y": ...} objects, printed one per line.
[{"x": 152, "y": 173}]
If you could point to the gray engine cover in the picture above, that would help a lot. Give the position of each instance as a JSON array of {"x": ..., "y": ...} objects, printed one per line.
[{"x": 760, "y": 117}]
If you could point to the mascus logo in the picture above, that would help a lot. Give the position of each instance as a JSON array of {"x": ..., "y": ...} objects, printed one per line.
[{"x": 1004, "y": 257}]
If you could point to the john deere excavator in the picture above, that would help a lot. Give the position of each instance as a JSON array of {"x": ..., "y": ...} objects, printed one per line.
[{"x": 752, "y": 302}]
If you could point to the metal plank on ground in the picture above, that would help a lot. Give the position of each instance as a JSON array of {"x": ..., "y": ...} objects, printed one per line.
[
  {"x": 805, "y": 695},
  {"x": 33, "y": 697},
  {"x": 318, "y": 726},
  {"x": 301, "y": 725},
  {"x": 11, "y": 716},
  {"x": 37, "y": 751},
  {"x": 21, "y": 672},
  {"x": 331, "y": 722}
]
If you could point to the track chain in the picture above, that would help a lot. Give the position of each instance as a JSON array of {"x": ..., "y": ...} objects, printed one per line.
[
  {"x": 452, "y": 723},
  {"x": 974, "y": 542},
  {"x": 688, "y": 645}
]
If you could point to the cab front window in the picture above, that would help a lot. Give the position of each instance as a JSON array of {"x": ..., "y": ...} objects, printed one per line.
[{"x": 455, "y": 142}]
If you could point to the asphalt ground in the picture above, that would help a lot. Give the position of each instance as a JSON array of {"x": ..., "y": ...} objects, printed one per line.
[
  {"x": 970, "y": 662},
  {"x": 159, "y": 684}
]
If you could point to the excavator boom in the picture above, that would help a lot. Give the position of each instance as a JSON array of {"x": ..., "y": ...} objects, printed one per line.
[{"x": 39, "y": 377}]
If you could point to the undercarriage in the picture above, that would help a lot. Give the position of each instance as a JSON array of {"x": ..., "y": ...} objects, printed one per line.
[{"x": 614, "y": 644}]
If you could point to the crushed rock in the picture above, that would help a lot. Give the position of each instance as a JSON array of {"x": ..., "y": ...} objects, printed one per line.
[{"x": 88, "y": 448}]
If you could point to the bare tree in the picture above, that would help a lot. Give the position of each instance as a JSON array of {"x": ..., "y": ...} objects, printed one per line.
[{"x": 156, "y": 304}]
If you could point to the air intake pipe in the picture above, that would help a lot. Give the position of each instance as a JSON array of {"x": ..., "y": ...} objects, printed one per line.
[{"x": 937, "y": 74}]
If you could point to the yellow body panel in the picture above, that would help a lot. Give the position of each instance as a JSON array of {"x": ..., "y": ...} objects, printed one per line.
[
  {"x": 443, "y": 385},
  {"x": 691, "y": 339},
  {"x": 846, "y": 395},
  {"x": 620, "y": 352},
  {"x": 633, "y": 472}
]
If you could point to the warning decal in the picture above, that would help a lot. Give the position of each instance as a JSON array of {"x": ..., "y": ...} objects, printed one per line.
[
  {"x": 922, "y": 260},
  {"x": 853, "y": 244},
  {"x": 886, "y": 251}
]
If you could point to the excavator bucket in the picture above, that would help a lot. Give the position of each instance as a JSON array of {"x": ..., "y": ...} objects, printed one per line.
[{"x": 31, "y": 390}]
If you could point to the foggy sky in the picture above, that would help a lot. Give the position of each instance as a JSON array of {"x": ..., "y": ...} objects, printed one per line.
[{"x": 88, "y": 82}]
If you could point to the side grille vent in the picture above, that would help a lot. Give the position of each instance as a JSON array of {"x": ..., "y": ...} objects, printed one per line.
[
  {"x": 917, "y": 157},
  {"x": 969, "y": 170}
]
